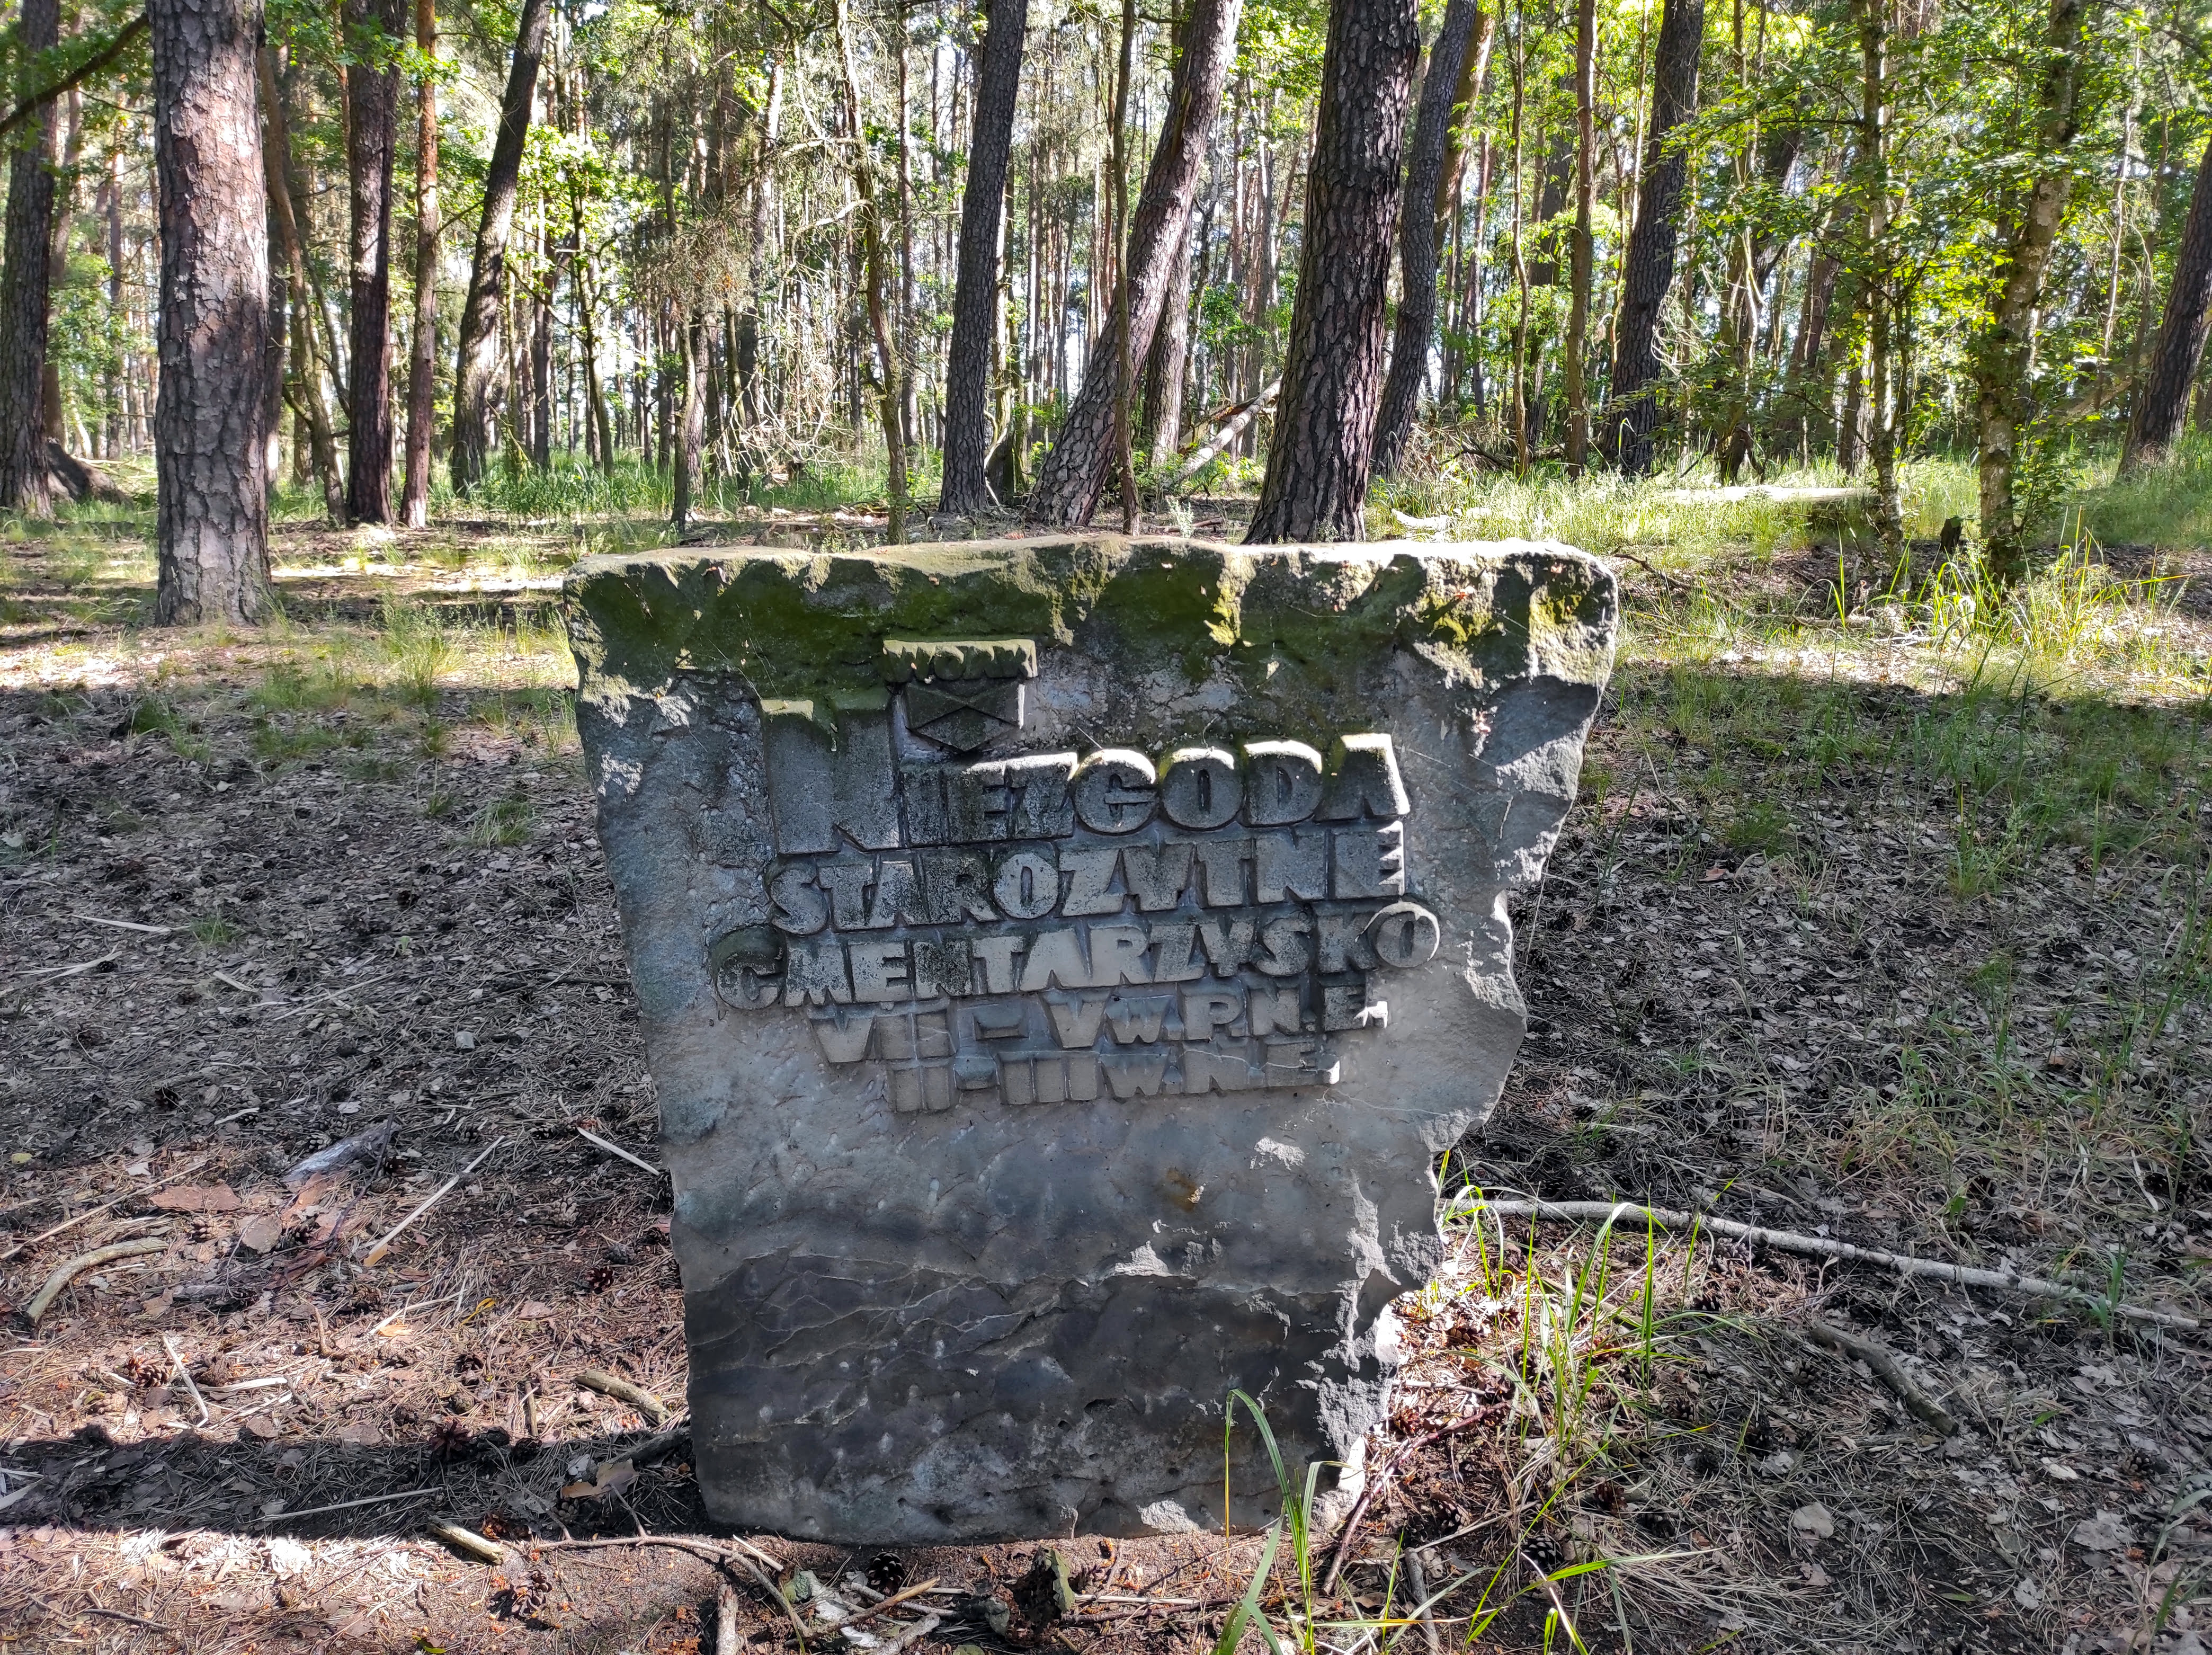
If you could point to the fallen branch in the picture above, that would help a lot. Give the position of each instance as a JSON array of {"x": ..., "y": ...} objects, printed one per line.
[
  {"x": 129, "y": 925},
  {"x": 1228, "y": 434},
  {"x": 344, "y": 1506},
  {"x": 616, "y": 1149},
  {"x": 1652, "y": 570},
  {"x": 1924, "y": 1407},
  {"x": 609, "y": 1384},
  {"x": 1418, "y": 1579},
  {"x": 469, "y": 1541},
  {"x": 1788, "y": 1241},
  {"x": 375, "y": 1254},
  {"x": 69, "y": 1269},
  {"x": 184, "y": 1170},
  {"x": 169, "y": 1344},
  {"x": 892, "y": 1601},
  {"x": 700, "y": 1549}
]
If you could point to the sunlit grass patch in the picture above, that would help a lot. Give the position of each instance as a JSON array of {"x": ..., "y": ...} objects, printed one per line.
[
  {"x": 509, "y": 821},
  {"x": 214, "y": 931}
]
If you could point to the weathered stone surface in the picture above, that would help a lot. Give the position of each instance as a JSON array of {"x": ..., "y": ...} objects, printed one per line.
[{"x": 1062, "y": 964}]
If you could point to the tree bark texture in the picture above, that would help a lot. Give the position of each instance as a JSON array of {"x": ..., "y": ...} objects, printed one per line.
[
  {"x": 1317, "y": 465},
  {"x": 2162, "y": 402},
  {"x": 373, "y": 32},
  {"x": 1418, "y": 244},
  {"x": 2002, "y": 403},
  {"x": 212, "y": 515},
  {"x": 422, "y": 346},
  {"x": 1573, "y": 348},
  {"x": 976, "y": 289},
  {"x": 1074, "y": 473},
  {"x": 477, "y": 365},
  {"x": 876, "y": 279},
  {"x": 26, "y": 287},
  {"x": 1649, "y": 268},
  {"x": 307, "y": 375},
  {"x": 1167, "y": 366}
]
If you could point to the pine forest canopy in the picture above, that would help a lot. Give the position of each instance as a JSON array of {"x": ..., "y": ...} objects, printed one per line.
[{"x": 735, "y": 244}]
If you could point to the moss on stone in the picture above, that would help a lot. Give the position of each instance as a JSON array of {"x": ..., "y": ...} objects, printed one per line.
[{"x": 798, "y": 628}]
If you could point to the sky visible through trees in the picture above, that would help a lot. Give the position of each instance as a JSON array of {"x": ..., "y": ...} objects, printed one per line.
[{"x": 500, "y": 247}]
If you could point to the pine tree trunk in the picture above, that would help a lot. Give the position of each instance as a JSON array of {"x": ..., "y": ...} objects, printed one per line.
[
  {"x": 1573, "y": 348},
  {"x": 1074, "y": 473},
  {"x": 276, "y": 170},
  {"x": 1443, "y": 90},
  {"x": 212, "y": 515},
  {"x": 2162, "y": 401},
  {"x": 1166, "y": 367},
  {"x": 2003, "y": 400},
  {"x": 477, "y": 365},
  {"x": 693, "y": 422},
  {"x": 422, "y": 345},
  {"x": 1317, "y": 465},
  {"x": 372, "y": 128},
  {"x": 875, "y": 280},
  {"x": 1648, "y": 271},
  {"x": 25, "y": 286}
]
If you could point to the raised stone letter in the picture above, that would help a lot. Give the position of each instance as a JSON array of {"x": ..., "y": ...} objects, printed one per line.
[
  {"x": 943, "y": 965},
  {"x": 1292, "y": 865},
  {"x": 998, "y": 954},
  {"x": 1114, "y": 791},
  {"x": 1075, "y": 1019},
  {"x": 898, "y": 897},
  {"x": 815, "y": 788},
  {"x": 1346, "y": 1006},
  {"x": 1090, "y": 870},
  {"x": 1043, "y": 806},
  {"x": 1055, "y": 958},
  {"x": 815, "y": 975},
  {"x": 1117, "y": 955},
  {"x": 1289, "y": 952},
  {"x": 1363, "y": 779},
  {"x": 956, "y": 886},
  {"x": 1028, "y": 885},
  {"x": 976, "y": 803},
  {"x": 1204, "y": 1010},
  {"x": 799, "y": 908},
  {"x": 847, "y": 881},
  {"x": 1282, "y": 782},
  {"x": 879, "y": 971},
  {"x": 1407, "y": 935},
  {"x": 1371, "y": 862},
  {"x": 1199, "y": 789},
  {"x": 1221, "y": 870},
  {"x": 1178, "y": 959},
  {"x": 1156, "y": 874}
]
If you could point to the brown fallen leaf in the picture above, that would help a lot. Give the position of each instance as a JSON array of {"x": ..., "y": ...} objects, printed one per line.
[
  {"x": 197, "y": 1198},
  {"x": 608, "y": 1477}
]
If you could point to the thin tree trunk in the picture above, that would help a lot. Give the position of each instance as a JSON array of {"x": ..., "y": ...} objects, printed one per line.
[
  {"x": 2002, "y": 398},
  {"x": 968, "y": 358},
  {"x": 476, "y": 369},
  {"x": 49, "y": 376},
  {"x": 212, "y": 515},
  {"x": 1647, "y": 273},
  {"x": 1168, "y": 364},
  {"x": 875, "y": 278},
  {"x": 1125, "y": 367},
  {"x": 1073, "y": 476},
  {"x": 1878, "y": 273},
  {"x": 2162, "y": 403},
  {"x": 25, "y": 286},
  {"x": 693, "y": 421},
  {"x": 373, "y": 108},
  {"x": 1582, "y": 251},
  {"x": 422, "y": 345},
  {"x": 276, "y": 170},
  {"x": 1315, "y": 487},
  {"x": 1443, "y": 89}
]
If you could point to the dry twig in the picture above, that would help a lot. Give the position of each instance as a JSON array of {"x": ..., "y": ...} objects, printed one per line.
[
  {"x": 375, "y": 1255},
  {"x": 609, "y": 1384},
  {"x": 1789, "y": 1241},
  {"x": 1876, "y": 1356},
  {"x": 69, "y": 1269}
]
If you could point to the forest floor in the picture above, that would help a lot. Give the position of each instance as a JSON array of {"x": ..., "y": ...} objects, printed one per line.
[{"x": 1875, "y": 926}]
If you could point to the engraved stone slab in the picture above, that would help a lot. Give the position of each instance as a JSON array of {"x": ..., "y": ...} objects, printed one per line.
[{"x": 1062, "y": 964}]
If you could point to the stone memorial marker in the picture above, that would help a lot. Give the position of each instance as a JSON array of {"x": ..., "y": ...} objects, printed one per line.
[{"x": 1061, "y": 964}]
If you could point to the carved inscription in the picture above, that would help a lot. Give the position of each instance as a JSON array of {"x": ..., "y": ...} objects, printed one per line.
[{"x": 1061, "y": 928}]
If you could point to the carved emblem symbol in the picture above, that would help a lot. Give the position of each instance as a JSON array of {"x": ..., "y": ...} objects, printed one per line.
[{"x": 962, "y": 693}]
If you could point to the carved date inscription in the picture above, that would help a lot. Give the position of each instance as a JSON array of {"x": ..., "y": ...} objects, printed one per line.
[{"x": 1063, "y": 928}]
